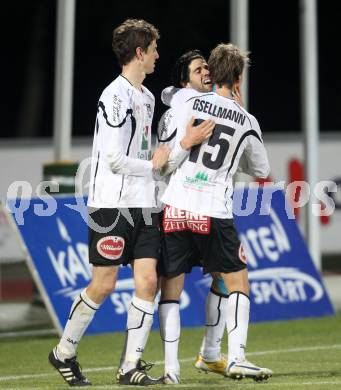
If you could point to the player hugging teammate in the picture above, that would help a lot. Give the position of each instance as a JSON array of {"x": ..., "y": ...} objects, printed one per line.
[
  {"x": 213, "y": 133},
  {"x": 201, "y": 183}
]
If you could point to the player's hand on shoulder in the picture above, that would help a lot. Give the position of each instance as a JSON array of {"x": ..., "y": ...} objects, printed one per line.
[
  {"x": 160, "y": 156},
  {"x": 195, "y": 135}
]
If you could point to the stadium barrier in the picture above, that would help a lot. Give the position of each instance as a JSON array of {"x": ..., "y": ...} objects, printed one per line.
[{"x": 283, "y": 279}]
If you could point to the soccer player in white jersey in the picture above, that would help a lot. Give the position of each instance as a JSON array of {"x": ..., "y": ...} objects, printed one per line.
[
  {"x": 121, "y": 188},
  {"x": 198, "y": 218},
  {"x": 190, "y": 71}
]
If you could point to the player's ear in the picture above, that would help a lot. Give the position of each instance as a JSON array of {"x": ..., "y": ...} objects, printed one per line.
[
  {"x": 240, "y": 80},
  {"x": 139, "y": 53}
]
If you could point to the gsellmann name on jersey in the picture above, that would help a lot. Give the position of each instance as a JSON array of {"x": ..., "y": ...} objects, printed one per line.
[{"x": 218, "y": 112}]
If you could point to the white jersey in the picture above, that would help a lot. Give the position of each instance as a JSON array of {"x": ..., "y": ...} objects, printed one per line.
[
  {"x": 166, "y": 135},
  {"x": 121, "y": 170},
  {"x": 202, "y": 183}
]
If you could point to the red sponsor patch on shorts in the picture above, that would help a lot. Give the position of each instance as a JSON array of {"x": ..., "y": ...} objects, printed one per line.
[
  {"x": 175, "y": 220},
  {"x": 111, "y": 247},
  {"x": 242, "y": 255}
]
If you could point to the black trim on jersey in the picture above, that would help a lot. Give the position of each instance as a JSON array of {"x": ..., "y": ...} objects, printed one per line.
[
  {"x": 169, "y": 138},
  {"x": 94, "y": 186},
  {"x": 250, "y": 132},
  {"x": 105, "y": 115},
  {"x": 198, "y": 96},
  {"x": 119, "y": 197},
  {"x": 127, "y": 80},
  {"x": 133, "y": 128}
]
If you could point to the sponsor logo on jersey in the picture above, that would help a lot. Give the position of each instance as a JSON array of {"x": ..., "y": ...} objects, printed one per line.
[
  {"x": 111, "y": 247},
  {"x": 199, "y": 181},
  {"x": 178, "y": 220},
  {"x": 202, "y": 176},
  {"x": 116, "y": 106}
]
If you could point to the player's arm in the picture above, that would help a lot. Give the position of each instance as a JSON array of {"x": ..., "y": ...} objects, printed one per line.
[
  {"x": 195, "y": 135},
  {"x": 188, "y": 134},
  {"x": 125, "y": 165},
  {"x": 115, "y": 153},
  {"x": 167, "y": 95},
  {"x": 254, "y": 160}
]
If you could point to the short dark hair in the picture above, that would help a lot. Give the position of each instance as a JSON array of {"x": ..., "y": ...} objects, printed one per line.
[
  {"x": 180, "y": 74},
  {"x": 131, "y": 34},
  {"x": 226, "y": 64}
]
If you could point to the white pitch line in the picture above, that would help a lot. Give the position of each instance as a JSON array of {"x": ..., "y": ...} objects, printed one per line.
[
  {"x": 302, "y": 349},
  {"x": 159, "y": 362},
  {"x": 228, "y": 384},
  {"x": 28, "y": 333}
]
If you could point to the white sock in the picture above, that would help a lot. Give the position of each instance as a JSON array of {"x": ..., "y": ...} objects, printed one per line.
[
  {"x": 216, "y": 312},
  {"x": 169, "y": 319},
  {"x": 82, "y": 312},
  {"x": 238, "y": 310},
  {"x": 139, "y": 322}
]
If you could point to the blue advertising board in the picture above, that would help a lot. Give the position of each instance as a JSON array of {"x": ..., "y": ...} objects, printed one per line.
[{"x": 284, "y": 282}]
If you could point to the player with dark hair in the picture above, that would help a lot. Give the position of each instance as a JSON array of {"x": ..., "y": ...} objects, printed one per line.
[{"x": 190, "y": 70}]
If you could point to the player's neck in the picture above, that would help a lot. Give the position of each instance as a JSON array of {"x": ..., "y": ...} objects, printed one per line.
[
  {"x": 133, "y": 73},
  {"x": 223, "y": 91}
]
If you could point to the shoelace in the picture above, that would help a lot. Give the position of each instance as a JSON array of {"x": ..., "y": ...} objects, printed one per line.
[
  {"x": 76, "y": 368},
  {"x": 144, "y": 366}
]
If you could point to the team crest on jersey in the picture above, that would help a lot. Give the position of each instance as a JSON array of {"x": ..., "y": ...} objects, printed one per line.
[
  {"x": 149, "y": 110},
  {"x": 175, "y": 220},
  {"x": 111, "y": 247},
  {"x": 241, "y": 254}
]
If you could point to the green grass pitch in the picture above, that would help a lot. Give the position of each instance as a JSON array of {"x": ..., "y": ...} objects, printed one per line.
[{"x": 303, "y": 354}]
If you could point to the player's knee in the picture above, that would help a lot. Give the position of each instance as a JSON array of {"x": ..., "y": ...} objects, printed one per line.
[
  {"x": 104, "y": 288},
  {"x": 147, "y": 283}
]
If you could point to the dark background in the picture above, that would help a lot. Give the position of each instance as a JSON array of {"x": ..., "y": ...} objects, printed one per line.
[{"x": 28, "y": 55}]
